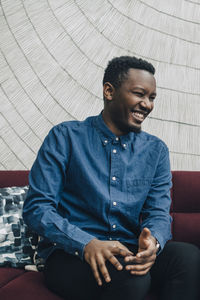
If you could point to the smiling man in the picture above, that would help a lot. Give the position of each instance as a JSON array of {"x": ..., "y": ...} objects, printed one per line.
[
  {"x": 99, "y": 198},
  {"x": 124, "y": 111}
]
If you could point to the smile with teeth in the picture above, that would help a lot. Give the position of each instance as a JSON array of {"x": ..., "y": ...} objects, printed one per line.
[{"x": 138, "y": 115}]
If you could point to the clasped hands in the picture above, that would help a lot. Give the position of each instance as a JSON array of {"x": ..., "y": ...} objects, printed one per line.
[{"x": 96, "y": 253}]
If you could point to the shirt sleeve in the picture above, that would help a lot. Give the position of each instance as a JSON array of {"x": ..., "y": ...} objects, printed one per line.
[
  {"x": 46, "y": 180},
  {"x": 156, "y": 209}
]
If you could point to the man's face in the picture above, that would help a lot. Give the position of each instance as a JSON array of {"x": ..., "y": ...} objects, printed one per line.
[{"x": 128, "y": 105}]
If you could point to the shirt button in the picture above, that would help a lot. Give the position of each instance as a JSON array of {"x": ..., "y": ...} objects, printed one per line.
[
  {"x": 114, "y": 151},
  {"x": 76, "y": 253},
  {"x": 116, "y": 139},
  {"x": 124, "y": 145},
  {"x": 110, "y": 238},
  {"x": 114, "y": 203},
  {"x": 114, "y": 178},
  {"x": 114, "y": 226},
  {"x": 54, "y": 244},
  {"x": 105, "y": 141}
]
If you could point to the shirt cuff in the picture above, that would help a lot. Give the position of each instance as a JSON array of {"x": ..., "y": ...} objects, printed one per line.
[
  {"x": 77, "y": 248},
  {"x": 160, "y": 242}
]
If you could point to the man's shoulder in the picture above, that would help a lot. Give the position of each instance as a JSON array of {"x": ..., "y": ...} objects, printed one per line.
[
  {"x": 147, "y": 137},
  {"x": 74, "y": 124}
]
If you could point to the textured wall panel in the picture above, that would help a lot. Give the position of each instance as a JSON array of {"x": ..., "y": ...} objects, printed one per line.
[{"x": 52, "y": 59}]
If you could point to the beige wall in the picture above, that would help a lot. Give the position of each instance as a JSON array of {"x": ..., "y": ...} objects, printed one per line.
[{"x": 52, "y": 57}]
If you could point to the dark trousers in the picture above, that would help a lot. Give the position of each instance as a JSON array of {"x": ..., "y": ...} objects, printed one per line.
[{"x": 175, "y": 275}]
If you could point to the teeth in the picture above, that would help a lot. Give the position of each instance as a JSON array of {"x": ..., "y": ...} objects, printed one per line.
[{"x": 139, "y": 115}]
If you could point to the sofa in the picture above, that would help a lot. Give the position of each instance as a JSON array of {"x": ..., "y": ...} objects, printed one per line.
[{"x": 18, "y": 283}]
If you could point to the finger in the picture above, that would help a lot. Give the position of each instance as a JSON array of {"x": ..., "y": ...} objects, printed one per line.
[
  {"x": 139, "y": 268},
  {"x": 146, "y": 233},
  {"x": 146, "y": 253},
  {"x": 94, "y": 268},
  {"x": 121, "y": 246},
  {"x": 140, "y": 273},
  {"x": 125, "y": 252},
  {"x": 114, "y": 261},
  {"x": 144, "y": 239},
  {"x": 144, "y": 260},
  {"x": 102, "y": 267},
  {"x": 130, "y": 258},
  {"x": 122, "y": 252}
]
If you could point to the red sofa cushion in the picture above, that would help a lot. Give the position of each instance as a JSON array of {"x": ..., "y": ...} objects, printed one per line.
[
  {"x": 186, "y": 228},
  {"x": 9, "y": 274},
  {"x": 186, "y": 207},
  {"x": 185, "y": 191},
  {"x": 13, "y": 178},
  {"x": 28, "y": 285},
  {"x": 31, "y": 286}
]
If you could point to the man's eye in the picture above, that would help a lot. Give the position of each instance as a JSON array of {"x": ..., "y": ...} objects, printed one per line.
[
  {"x": 138, "y": 94},
  {"x": 152, "y": 98}
]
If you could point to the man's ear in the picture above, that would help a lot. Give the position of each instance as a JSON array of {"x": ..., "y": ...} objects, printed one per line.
[{"x": 108, "y": 91}]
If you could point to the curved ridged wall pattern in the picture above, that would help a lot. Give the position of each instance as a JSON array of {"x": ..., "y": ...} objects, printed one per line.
[{"x": 52, "y": 59}]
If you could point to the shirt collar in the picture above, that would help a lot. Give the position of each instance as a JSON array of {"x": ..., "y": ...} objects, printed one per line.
[{"x": 107, "y": 136}]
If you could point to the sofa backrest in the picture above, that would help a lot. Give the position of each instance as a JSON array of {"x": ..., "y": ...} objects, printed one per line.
[
  {"x": 185, "y": 208},
  {"x": 13, "y": 178}
]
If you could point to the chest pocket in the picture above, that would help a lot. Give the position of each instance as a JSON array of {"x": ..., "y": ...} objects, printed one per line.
[{"x": 137, "y": 189}]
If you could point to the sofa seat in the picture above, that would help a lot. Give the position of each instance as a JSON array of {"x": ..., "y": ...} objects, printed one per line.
[
  {"x": 23, "y": 285},
  {"x": 9, "y": 274},
  {"x": 28, "y": 285}
]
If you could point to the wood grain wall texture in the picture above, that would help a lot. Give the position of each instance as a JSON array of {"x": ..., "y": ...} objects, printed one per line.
[{"x": 52, "y": 58}]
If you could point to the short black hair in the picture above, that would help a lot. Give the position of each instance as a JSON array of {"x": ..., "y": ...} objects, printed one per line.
[{"x": 118, "y": 68}]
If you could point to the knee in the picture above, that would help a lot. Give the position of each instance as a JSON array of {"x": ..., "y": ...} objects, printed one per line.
[
  {"x": 127, "y": 286},
  {"x": 124, "y": 279},
  {"x": 184, "y": 253},
  {"x": 193, "y": 257}
]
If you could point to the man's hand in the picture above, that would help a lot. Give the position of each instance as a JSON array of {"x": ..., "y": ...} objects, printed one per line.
[
  {"x": 146, "y": 256},
  {"x": 96, "y": 253}
]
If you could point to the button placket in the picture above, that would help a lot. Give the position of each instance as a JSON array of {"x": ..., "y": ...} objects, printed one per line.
[
  {"x": 115, "y": 183},
  {"x": 114, "y": 160}
]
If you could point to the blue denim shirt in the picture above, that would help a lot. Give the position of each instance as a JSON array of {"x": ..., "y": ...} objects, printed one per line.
[{"x": 87, "y": 183}]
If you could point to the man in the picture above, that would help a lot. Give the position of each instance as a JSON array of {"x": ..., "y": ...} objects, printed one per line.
[{"x": 100, "y": 197}]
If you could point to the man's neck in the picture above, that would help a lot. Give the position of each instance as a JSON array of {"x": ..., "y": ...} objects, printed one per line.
[{"x": 109, "y": 123}]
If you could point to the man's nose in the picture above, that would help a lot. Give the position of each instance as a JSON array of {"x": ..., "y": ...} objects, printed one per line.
[{"x": 146, "y": 103}]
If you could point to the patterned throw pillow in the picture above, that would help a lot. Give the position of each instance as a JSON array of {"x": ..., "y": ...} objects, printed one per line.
[{"x": 17, "y": 242}]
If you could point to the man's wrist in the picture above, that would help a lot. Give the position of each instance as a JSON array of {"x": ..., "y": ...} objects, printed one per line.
[
  {"x": 157, "y": 245},
  {"x": 156, "y": 242}
]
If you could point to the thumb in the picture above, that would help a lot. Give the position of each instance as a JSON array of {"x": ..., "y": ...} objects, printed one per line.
[{"x": 144, "y": 239}]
